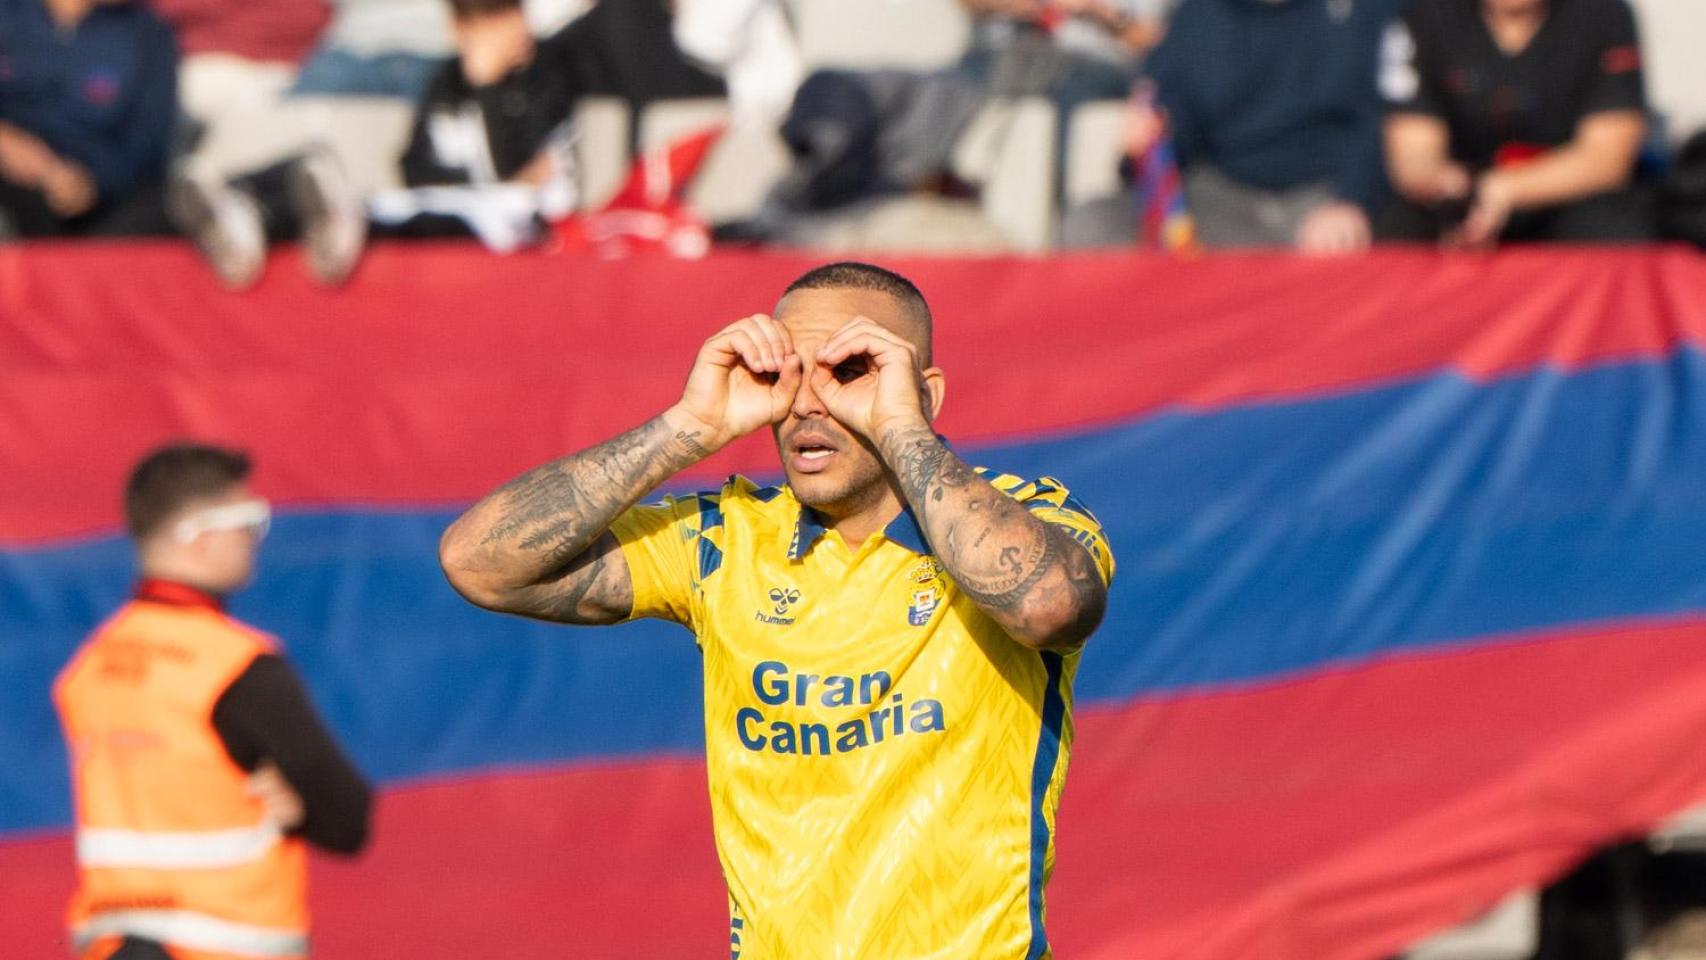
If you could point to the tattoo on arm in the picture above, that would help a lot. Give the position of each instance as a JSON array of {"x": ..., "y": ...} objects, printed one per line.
[
  {"x": 1029, "y": 575},
  {"x": 524, "y": 547}
]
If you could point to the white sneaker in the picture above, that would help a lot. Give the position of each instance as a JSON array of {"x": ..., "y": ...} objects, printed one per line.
[
  {"x": 334, "y": 219},
  {"x": 224, "y": 224}
]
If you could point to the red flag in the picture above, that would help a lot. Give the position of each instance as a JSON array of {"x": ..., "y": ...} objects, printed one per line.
[{"x": 650, "y": 212}]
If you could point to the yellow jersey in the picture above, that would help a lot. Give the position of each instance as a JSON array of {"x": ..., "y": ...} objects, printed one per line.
[{"x": 884, "y": 761}]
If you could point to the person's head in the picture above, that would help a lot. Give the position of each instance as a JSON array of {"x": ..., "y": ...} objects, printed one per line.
[
  {"x": 194, "y": 519},
  {"x": 828, "y": 466},
  {"x": 492, "y": 39}
]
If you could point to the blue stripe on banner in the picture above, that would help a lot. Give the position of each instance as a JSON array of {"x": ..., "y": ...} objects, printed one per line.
[
  {"x": 1252, "y": 543},
  {"x": 1042, "y": 774},
  {"x": 1261, "y": 542}
]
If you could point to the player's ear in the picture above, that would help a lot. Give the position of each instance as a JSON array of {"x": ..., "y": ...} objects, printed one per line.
[{"x": 935, "y": 389}]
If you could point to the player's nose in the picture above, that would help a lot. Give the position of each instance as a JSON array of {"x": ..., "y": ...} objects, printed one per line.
[{"x": 806, "y": 401}]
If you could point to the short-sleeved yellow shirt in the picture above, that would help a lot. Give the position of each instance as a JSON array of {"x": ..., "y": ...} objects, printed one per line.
[{"x": 885, "y": 762}]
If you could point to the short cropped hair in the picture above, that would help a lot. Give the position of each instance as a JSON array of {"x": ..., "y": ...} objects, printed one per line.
[
  {"x": 174, "y": 476},
  {"x": 854, "y": 275},
  {"x": 463, "y": 9}
]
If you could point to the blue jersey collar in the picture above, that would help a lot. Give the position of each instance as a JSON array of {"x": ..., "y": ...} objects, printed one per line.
[{"x": 904, "y": 530}]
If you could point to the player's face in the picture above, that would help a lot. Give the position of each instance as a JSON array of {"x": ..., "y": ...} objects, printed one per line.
[{"x": 829, "y": 467}]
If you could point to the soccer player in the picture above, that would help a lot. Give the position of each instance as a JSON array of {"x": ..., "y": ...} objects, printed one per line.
[
  {"x": 199, "y": 765},
  {"x": 889, "y": 638}
]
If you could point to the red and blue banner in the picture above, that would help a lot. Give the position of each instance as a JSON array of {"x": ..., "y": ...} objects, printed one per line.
[{"x": 1411, "y": 608}]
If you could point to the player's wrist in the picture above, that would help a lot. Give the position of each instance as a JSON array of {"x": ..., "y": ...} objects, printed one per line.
[
  {"x": 894, "y": 433},
  {"x": 691, "y": 436}
]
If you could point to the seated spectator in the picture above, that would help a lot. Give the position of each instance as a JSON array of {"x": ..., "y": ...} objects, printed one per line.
[
  {"x": 1070, "y": 51},
  {"x": 489, "y": 153},
  {"x": 1501, "y": 130},
  {"x": 88, "y": 103},
  {"x": 1276, "y": 120}
]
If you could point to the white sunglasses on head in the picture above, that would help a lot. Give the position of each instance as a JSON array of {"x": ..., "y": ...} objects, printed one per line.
[{"x": 252, "y": 515}]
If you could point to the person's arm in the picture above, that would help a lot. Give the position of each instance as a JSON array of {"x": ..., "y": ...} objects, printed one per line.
[
  {"x": 540, "y": 545},
  {"x": 1416, "y": 136},
  {"x": 1031, "y": 577},
  {"x": 265, "y": 718},
  {"x": 1418, "y": 159},
  {"x": 1599, "y": 159}
]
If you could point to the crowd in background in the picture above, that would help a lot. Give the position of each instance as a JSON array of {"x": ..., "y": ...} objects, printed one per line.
[{"x": 1320, "y": 125}]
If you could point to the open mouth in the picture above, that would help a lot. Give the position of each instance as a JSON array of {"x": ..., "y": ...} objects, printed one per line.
[{"x": 810, "y": 454}]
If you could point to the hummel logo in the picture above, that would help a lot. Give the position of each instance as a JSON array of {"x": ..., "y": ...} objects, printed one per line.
[{"x": 781, "y": 598}]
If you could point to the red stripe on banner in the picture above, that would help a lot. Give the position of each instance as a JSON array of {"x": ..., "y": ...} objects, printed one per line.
[
  {"x": 442, "y": 370},
  {"x": 1345, "y": 815},
  {"x": 1199, "y": 828}
]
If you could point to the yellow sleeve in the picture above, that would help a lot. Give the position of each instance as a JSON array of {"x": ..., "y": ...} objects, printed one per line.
[
  {"x": 664, "y": 546},
  {"x": 1050, "y": 501}
]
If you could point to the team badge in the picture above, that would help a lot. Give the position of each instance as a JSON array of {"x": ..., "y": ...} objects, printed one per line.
[
  {"x": 926, "y": 570},
  {"x": 924, "y": 603}
]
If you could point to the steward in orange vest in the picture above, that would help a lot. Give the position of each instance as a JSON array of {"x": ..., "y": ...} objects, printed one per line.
[{"x": 198, "y": 763}]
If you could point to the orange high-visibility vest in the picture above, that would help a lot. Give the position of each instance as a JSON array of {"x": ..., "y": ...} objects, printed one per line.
[{"x": 170, "y": 845}]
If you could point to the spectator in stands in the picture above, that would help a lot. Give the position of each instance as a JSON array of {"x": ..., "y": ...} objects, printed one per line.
[
  {"x": 1276, "y": 120},
  {"x": 88, "y": 103},
  {"x": 489, "y": 153},
  {"x": 1069, "y": 51},
  {"x": 1515, "y": 120}
]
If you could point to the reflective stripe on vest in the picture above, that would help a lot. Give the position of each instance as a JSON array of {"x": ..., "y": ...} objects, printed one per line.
[
  {"x": 194, "y": 931},
  {"x": 188, "y": 850}
]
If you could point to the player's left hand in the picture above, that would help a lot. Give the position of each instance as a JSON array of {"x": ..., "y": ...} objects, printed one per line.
[{"x": 868, "y": 379}]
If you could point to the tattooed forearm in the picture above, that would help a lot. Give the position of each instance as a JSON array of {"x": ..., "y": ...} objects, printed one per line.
[
  {"x": 1030, "y": 576},
  {"x": 518, "y": 548}
]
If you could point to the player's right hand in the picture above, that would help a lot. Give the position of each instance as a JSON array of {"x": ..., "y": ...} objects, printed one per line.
[{"x": 744, "y": 378}]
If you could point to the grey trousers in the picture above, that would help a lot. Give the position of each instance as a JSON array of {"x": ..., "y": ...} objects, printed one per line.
[{"x": 1233, "y": 214}]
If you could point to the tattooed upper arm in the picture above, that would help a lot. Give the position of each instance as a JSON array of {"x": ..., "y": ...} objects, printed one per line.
[{"x": 594, "y": 588}]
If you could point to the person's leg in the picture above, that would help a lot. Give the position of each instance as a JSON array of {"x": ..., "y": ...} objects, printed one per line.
[
  {"x": 1401, "y": 221},
  {"x": 142, "y": 213},
  {"x": 26, "y": 214},
  {"x": 1232, "y": 215},
  {"x": 270, "y": 188},
  {"x": 1619, "y": 216}
]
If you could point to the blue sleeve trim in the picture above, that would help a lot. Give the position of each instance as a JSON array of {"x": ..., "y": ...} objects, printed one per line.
[
  {"x": 710, "y": 555},
  {"x": 1042, "y": 774}
]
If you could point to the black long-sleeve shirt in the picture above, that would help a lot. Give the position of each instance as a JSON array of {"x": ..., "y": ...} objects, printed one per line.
[
  {"x": 265, "y": 714},
  {"x": 477, "y": 135}
]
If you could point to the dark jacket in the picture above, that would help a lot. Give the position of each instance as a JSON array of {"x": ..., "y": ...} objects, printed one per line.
[
  {"x": 104, "y": 95},
  {"x": 1278, "y": 94}
]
